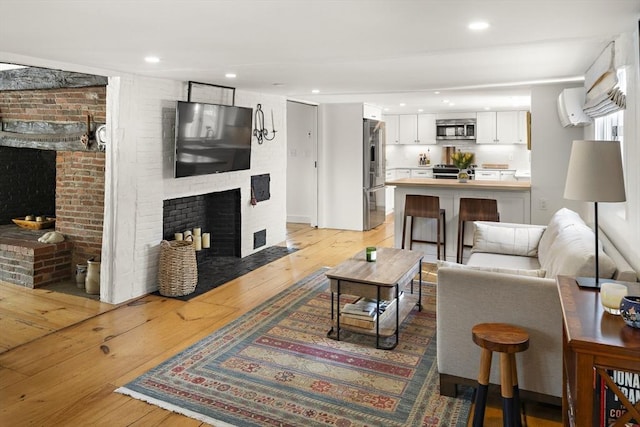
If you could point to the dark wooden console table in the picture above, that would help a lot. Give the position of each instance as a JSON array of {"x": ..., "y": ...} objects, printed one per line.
[{"x": 593, "y": 342}]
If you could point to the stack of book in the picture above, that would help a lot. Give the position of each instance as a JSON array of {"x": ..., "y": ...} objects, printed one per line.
[{"x": 363, "y": 313}]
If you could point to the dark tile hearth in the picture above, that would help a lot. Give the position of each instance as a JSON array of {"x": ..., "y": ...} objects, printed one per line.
[{"x": 216, "y": 271}]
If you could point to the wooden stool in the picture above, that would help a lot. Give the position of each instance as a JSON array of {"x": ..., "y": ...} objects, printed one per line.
[
  {"x": 507, "y": 340},
  {"x": 474, "y": 210},
  {"x": 424, "y": 207}
]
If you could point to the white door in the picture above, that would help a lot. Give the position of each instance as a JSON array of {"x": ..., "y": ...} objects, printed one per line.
[{"x": 302, "y": 156}]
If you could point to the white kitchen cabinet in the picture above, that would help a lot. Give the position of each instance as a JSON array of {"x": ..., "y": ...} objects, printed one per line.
[
  {"x": 487, "y": 175},
  {"x": 524, "y": 118},
  {"x": 417, "y": 129},
  {"x": 371, "y": 112},
  {"x": 495, "y": 174},
  {"x": 501, "y": 127},
  {"x": 402, "y": 173},
  {"x": 486, "y": 127},
  {"x": 427, "y": 129},
  {"x": 391, "y": 128},
  {"x": 508, "y": 175},
  {"x": 408, "y": 129},
  {"x": 422, "y": 173}
]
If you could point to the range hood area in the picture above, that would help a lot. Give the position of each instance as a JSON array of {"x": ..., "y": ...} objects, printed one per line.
[{"x": 459, "y": 130}]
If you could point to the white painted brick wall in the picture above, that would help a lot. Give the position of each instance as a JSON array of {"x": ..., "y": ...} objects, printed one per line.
[{"x": 133, "y": 231}]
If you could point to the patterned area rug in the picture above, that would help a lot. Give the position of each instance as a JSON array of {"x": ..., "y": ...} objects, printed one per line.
[{"x": 275, "y": 366}]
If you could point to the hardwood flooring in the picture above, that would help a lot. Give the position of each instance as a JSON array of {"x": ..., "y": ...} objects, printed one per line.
[{"x": 61, "y": 356}]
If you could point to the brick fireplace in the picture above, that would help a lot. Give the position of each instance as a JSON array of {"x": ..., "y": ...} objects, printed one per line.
[{"x": 46, "y": 170}]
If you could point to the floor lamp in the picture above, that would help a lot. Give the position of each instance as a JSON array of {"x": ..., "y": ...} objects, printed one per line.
[{"x": 595, "y": 175}]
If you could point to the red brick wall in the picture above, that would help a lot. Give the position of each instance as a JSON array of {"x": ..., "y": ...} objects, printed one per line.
[
  {"x": 54, "y": 105},
  {"x": 80, "y": 201}
]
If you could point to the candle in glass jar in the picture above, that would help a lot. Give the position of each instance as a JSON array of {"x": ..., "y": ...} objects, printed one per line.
[
  {"x": 206, "y": 240},
  {"x": 611, "y": 295},
  {"x": 371, "y": 254}
]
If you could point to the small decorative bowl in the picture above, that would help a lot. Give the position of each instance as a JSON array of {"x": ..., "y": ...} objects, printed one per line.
[{"x": 630, "y": 310}]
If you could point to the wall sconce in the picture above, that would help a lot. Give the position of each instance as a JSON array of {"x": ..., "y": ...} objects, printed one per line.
[{"x": 260, "y": 131}]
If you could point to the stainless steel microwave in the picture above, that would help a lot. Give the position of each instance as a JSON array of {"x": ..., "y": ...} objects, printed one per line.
[{"x": 451, "y": 129}]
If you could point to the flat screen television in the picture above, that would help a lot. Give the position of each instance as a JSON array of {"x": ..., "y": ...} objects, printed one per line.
[{"x": 211, "y": 138}]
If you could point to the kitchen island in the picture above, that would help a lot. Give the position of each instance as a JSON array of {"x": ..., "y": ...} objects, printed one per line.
[{"x": 514, "y": 205}]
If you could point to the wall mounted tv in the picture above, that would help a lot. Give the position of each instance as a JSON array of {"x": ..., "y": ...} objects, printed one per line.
[{"x": 211, "y": 138}]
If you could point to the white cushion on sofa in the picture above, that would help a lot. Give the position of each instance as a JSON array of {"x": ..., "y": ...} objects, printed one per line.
[
  {"x": 562, "y": 218},
  {"x": 514, "y": 262},
  {"x": 506, "y": 238},
  {"x": 520, "y": 272},
  {"x": 572, "y": 253}
]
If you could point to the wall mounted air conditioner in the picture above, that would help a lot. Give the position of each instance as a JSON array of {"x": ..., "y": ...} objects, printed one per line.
[{"x": 570, "y": 103}]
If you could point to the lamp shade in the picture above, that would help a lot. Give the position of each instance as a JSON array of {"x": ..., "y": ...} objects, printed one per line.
[{"x": 595, "y": 172}]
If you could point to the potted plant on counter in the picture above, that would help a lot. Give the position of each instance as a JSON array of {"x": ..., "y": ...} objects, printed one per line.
[{"x": 462, "y": 160}]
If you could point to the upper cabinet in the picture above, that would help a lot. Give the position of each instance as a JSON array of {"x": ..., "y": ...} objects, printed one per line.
[
  {"x": 371, "y": 112},
  {"x": 391, "y": 128},
  {"x": 502, "y": 127},
  {"x": 427, "y": 129},
  {"x": 410, "y": 128}
]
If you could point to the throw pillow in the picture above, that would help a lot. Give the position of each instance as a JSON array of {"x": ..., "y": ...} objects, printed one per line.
[
  {"x": 572, "y": 254},
  {"x": 560, "y": 220},
  {"x": 517, "y": 271},
  {"x": 508, "y": 239}
]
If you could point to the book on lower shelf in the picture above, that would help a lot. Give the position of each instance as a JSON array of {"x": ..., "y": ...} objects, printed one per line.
[
  {"x": 611, "y": 407},
  {"x": 363, "y": 314}
]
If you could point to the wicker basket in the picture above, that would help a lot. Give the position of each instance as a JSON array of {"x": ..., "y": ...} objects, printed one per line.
[{"x": 178, "y": 274}]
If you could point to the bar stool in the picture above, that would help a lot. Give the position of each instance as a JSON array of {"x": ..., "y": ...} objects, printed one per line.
[
  {"x": 507, "y": 340},
  {"x": 474, "y": 210},
  {"x": 424, "y": 207}
]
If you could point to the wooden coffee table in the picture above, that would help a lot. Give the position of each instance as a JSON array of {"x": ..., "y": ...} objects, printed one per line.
[{"x": 381, "y": 280}]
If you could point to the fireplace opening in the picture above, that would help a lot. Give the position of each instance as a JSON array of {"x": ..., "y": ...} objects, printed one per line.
[
  {"x": 28, "y": 184},
  {"x": 215, "y": 213}
]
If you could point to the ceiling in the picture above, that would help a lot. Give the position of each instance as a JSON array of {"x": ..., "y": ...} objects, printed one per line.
[{"x": 383, "y": 52}]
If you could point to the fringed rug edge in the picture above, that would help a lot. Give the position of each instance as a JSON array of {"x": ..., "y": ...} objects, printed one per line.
[{"x": 173, "y": 408}]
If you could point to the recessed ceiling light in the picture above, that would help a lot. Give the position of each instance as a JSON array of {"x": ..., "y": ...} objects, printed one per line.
[
  {"x": 152, "y": 59},
  {"x": 445, "y": 101},
  {"x": 230, "y": 75},
  {"x": 386, "y": 109},
  {"x": 315, "y": 90},
  {"x": 451, "y": 104},
  {"x": 487, "y": 108},
  {"x": 420, "y": 110},
  {"x": 437, "y": 92},
  {"x": 402, "y": 104},
  {"x": 478, "y": 25}
]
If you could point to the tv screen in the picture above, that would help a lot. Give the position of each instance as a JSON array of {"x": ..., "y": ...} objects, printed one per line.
[{"x": 211, "y": 138}]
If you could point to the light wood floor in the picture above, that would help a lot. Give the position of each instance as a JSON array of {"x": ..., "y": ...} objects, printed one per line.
[{"x": 61, "y": 356}]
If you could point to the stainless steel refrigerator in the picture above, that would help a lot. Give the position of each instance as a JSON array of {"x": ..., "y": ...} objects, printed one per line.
[{"x": 373, "y": 173}]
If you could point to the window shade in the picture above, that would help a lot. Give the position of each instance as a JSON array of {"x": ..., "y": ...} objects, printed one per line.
[{"x": 603, "y": 96}]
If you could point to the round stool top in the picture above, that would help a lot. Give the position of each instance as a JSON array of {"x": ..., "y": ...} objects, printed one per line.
[{"x": 500, "y": 337}]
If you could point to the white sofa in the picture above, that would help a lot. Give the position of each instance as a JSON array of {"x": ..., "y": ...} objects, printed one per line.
[{"x": 510, "y": 278}]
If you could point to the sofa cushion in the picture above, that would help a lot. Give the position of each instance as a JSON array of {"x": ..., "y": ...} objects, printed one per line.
[
  {"x": 481, "y": 259},
  {"x": 520, "y": 272},
  {"x": 562, "y": 218},
  {"x": 506, "y": 238},
  {"x": 572, "y": 254}
]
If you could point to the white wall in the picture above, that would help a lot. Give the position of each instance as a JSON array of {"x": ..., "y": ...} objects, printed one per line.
[
  {"x": 140, "y": 176},
  {"x": 340, "y": 157},
  {"x": 550, "y": 149}
]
